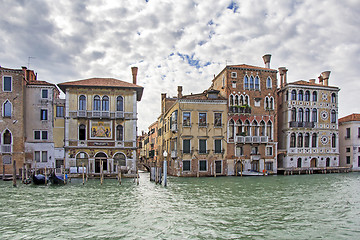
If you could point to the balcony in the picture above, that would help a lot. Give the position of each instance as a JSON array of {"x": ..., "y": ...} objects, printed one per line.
[
  {"x": 6, "y": 148},
  {"x": 302, "y": 124},
  {"x": 251, "y": 139},
  {"x": 81, "y": 113},
  {"x": 119, "y": 114},
  {"x": 174, "y": 127},
  {"x": 245, "y": 109},
  {"x": 101, "y": 114}
]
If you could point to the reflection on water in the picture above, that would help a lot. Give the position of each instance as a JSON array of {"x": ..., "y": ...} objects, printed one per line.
[{"x": 273, "y": 207}]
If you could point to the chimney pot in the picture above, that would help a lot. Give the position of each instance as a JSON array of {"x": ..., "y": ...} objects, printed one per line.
[
  {"x": 311, "y": 80},
  {"x": 266, "y": 59},
  {"x": 325, "y": 76},
  {"x": 179, "y": 92},
  {"x": 134, "y": 71}
]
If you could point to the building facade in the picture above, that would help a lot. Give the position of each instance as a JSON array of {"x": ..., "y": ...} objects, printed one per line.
[
  {"x": 349, "y": 135},
  {"x": 192, "y": 132},
  {"x": 251, "y": 117},
  {"x": 308, "y": 124},
  {"x": 101, "y": 124}
]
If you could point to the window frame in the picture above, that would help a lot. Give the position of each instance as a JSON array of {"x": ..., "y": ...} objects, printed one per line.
[
  {"x": 186, "y": 119},
  {"x": 183, "y": 165},
  {"x": 183, "y": 145},
  {"x": 206, "y": 165},
  {"x": 7, "y": 104},
  {"x": 3, "y": 83},
  {"x": 42, "y": 116},
  {"x": 217, "y": 147},
  {"x": 82, "y": 102},
  {"x": 61, "y": 112},
  {"x": 201, "y": 142},
  {"x": 44, "y": 91},
  {"x": 201, "y": 122},
  {"x": 217, "y": 119}
]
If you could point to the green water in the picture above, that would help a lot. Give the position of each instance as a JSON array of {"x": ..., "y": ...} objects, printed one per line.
[{"x": 273, "y": 207}]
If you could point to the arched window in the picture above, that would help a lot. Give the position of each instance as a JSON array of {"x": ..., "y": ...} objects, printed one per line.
[
  {"x": 251, "y": 82},
  {"x": 307, "y": 115},
  {"x": 236, "y": 100},
  {"x": 299, "y": 163},
  {"x": 327, "y": 162},
  {"x": 82, "y": 132},
  {"x": 314, "y": 115},
  {"x": 293, "y": 94},
  {"x": 307, "y": 140},
  {"x": 96, "y": 103},
  {"x": 119, "y": 133},
  {"x": 247, "y": 128},
  {"x": 300, "y": 140},
  {"x": 262, "y": 128},
  {"x": 241, "y": 100},
  {"x": 7, "y": 108},
  {"x": 257, "y": 83},
  {"x": 269, "y": 129},
  {"x": 268, "y": 83},
  {"x": 247, "y": 100},
  {"x": 300, "y": 95},
  {"x": 7, "y": 137},
  {"x": 239, "y": 128},
  {"x": 105, "y": 103},
  {"x": 333, "y": 140},
  {"x": 246, "y": 82},
  {"x": 82, "y": 103},
  {"x": 292, "y": 140},
  {"x": 333, "y": 98},
  {"x": 231, "y": 129},
  {"x": 314, "y": 96},
  {"x": 314, "y": 140},
  {"x": 307, "y": 95},
  {"x": 301, "y": 115},
  {"x": 287, "y": 96},
  {"x": 271, "y": 103},
  {"x": 267, "y": 103},
  {"x": 120, "y": 103},
  {"x": 293, "y": 114},
  {"x": 333, "y": 116},
  {"x": 231, "y": 100},
  {"x": 119, "y": 159},
  {"x": 255, "y": 128}
]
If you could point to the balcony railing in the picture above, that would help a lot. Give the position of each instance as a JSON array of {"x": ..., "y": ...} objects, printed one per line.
[
  {"x": 174, "y": 127},
  {"x": 302, "y": 124},
  {"x": 102, "y": 114},
  {"x": 240, "y": 109},
  {"x": 6, "y": 148},
  {"x": 251, "y": 139}
]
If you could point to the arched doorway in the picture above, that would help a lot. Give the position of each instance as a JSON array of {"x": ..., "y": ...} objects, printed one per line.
[
  {"x": 328, "y": 162},
  {"x": 98, "y": 158},
  {"x": 119, "y": 159},
  {"x": 313, "y": 162},
  {"x": 81, "y": 158},
  {"x": 239, "y": 167}
]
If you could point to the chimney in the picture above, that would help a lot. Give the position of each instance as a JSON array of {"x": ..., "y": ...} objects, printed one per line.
[
  {"x": 179, "y": 92},
  {"x": 311, "y": 80},
  {"x": 134, "y": 73},
  {"x": 283, "y": 77},
  {"x": 266, "y": 59},
  {"x": 163, "y": 96},
  {"x": 325, "y": 76}
]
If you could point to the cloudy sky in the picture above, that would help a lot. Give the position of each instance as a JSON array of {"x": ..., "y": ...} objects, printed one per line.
[{"x": 182, "y": 42}]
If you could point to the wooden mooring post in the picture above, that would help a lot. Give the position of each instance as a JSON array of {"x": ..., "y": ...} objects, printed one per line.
[
  {"x": 83, "y": 173},
  {"x": 101, "y": 172},
  {"x": 14, "y": 173},
  {"x": 23, "y": 174},
  {"x": 45, "y": 173}
]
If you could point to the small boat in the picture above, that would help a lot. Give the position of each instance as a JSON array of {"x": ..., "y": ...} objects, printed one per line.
[
  {"x": 57, "y": 180},
  {"x": 251, "y": 173},
  {"x": 38, "y": 179}
]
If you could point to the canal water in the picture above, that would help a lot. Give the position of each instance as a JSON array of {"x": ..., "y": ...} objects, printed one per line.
[{"x": 272, "y": 207}]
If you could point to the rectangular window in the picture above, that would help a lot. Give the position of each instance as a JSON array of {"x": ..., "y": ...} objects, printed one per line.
[
  {"x": 59, "y": 111},
  {"x": 217, "y": 145},
  {"x": 254, "y": 150},
  {"x": 358, "y": 161},
  {"x": 358, "y": 132},
  {"x": 239, "y": 151},
  {"x": 202, "y": 119},
  {"x": 37, "y": 135},
  {"x": 269, "y": 166},
  {"x": 269, "y": 151},
  {"x": 347, "y": 159},
  {"x": 218, "y": 166},
  {"x": 233, "y": 84},
  {"x": 44, "y": 156},
  {"x": 186, "y": 165},
  {"x": 347, "y": 133},
  {"x": 347, "y": 149},
  {"x": 186, "y": 146},
  {"x": 6, "y": 159},
  {"x": 44, "y": 93},
  {"x": 358, "y": 149},
  {"x": 186, "y": 119},
  {"x": 217, "y": 119},
  {"x": 44, "y": 135},
  {"x": 202, "y": 146},
  {"x": 37, "y": 156},
  {"x": 7, "y": 84},
  {"x": 202, "y": 165},
  {"x": 44, "y": 114}
]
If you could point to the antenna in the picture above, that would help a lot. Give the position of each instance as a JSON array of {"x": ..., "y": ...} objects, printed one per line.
[{"x": 29, "y": 58}]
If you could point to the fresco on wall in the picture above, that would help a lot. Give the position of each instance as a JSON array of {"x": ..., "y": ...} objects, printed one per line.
[{"x": 100, "y": 129}]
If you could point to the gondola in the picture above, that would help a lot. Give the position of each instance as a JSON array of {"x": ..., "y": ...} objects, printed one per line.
[
  {"x": 57, "y": 180},
  {"x": 38, "y": 179}
]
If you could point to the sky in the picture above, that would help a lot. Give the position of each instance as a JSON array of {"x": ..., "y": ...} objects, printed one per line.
[{"x": 182, "y": 43}]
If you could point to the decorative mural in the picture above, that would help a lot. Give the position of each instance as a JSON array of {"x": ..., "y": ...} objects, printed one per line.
[{"x": 101, "y": 129}]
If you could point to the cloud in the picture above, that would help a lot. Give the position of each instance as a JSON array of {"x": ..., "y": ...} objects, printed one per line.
[{"x": 182, "y": 42}]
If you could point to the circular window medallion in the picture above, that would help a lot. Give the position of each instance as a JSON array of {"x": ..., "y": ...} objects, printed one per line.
[
  {"x": 324, "y": 115},
  {"x": 324, "y": 97},
  {"x": 324, "y": 140}
]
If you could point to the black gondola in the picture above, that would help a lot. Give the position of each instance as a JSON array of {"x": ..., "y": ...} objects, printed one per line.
[
  {"x": 38, "y": 179},
  {"x": 57, "y": 180}
]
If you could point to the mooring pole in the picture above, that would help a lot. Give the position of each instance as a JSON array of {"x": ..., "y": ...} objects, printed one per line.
[
  {"x": 165, "y": 173},
  {"x": 14, "y": 173},
  {"x": 45, "y": 176},
  {"x": 83, "y": 173},
  {"x": 101, "y": 172},
  {"x": 23, "y": 173},
  {"x": 64, "y": 175}
]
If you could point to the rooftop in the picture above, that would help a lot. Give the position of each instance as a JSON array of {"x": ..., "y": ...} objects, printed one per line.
[{"x": 349, "y": 118}]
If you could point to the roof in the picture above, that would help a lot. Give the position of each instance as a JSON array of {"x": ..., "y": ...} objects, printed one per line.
[
  {"x": 37, "y": 82},
  {"x": 102, "y": 83},
  {"x": 203, "y": 96},
  {"x": 306, "y": 83},
  {"x": 349, "y": 118},
  {"x": 251, "y": 67}
]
